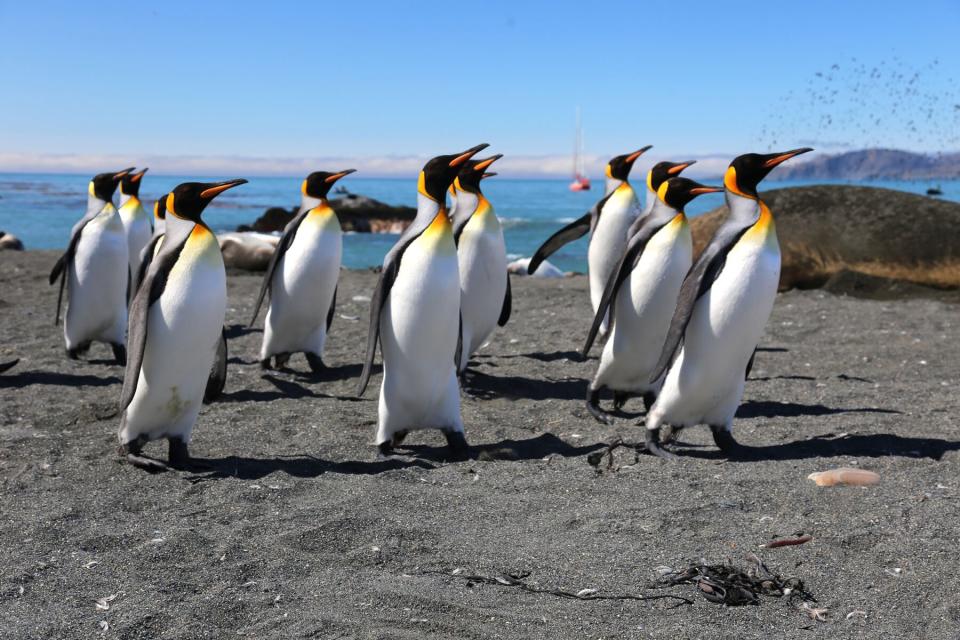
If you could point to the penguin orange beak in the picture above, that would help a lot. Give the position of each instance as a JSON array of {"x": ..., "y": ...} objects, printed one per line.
[
  {"x": 337, "y": 176},
  {"x": 466, "y": 155},
  {"x": 139, "y": 174},
  {"x": 483, "y": 164},
  {"x": 777, "y": 158},
  {"x": 120, "y": 174},
  {"x": 679, "y": 167},
  {"x": 218, "y": 188},
  {"x": 639, "y": 152},
  {"x": 696, "y": 191}
]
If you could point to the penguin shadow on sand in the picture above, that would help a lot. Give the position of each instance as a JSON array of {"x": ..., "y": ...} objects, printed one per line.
[
  {"x": 30, "y": 378},
  {"x": 410, "y": 456},
  {"x": 287, "y": 385},
  {"x": 543, "y": 356},
  {"x": 480, "y": 385}
]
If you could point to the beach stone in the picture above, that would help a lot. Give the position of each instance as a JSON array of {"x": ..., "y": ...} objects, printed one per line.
[
  {"x": 249, "y": 251},
  {"x": 828, "y": 229},
  {"x": 10, "y": 241},
  {"x": 356, "y": 213}
]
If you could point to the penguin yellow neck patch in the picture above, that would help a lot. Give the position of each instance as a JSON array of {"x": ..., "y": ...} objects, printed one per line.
[
  {"x": 422, "y": 186},
  {"x": 764, "y": 230},
  {"x": 730, "y": 182}
]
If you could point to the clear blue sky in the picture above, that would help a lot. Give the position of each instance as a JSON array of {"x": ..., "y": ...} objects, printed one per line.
[{"x": 359, "y": 79}]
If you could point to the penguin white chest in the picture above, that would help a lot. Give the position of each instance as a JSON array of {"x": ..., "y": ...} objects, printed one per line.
[
  {"x": 183, "y": 330},
  {"x": 482, "y": 258},
  {"x": 418, "y": 331},
  {"x": 609, "y": 238}
]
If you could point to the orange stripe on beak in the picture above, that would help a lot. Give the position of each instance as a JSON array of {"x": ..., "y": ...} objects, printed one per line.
[
  {"x": 701, "y": 190},
  {"x": 675, "y": 170},
  {"x": 639, "y": 152},
  {"x": 783, "y": 157},
  {"x": 337, "y": 176},
  {"x": 212, "y": 192},
  {"x": 483, "y": 164},
  {"x": 466, "y": 155}
]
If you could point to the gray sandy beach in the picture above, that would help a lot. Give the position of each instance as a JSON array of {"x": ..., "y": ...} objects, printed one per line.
[{"x": 296, "y": 531}]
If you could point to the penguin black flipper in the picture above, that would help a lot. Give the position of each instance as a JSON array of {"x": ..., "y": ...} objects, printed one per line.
[
  {"x": 64, "y": 262},
  {"x": 458, "y": 354},
  {"x": 750, "y": 363},
  {"x": 149, "y": 292},
  {"x": 698, "y": 281},
  {"x": 628, "y": 262},
  {"x": 6, "y": 366},
  {"x": 333, "y": 306},
  {"x": 507, "y": 305},
  {"x": 148, "y": 252},
  {"x": 391, "y": 267},
  {"x": 460, "y": 220},
  {"x": 286, "y": 241},
  {"x": 218, "y": 372},
  {"x": 573, "y": 231}
]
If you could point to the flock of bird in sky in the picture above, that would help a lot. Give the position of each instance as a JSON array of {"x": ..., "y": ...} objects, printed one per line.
[{"x": 679, "y": 332}]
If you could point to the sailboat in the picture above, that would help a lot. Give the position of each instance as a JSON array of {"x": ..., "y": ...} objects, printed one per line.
[{"x": 580, "y": 181}]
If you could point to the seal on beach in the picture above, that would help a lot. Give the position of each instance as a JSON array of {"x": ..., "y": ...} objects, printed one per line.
[
  {"x": 302, "y": 278},
  {"x": 415, "y": 315},
  {"x": 136, "y": 221},
  {"x": 176, "y": 328},
  {"x": 96, "y": 271},
  {"x": 485, "y": 299},
  {"x": 607, "y": 222},
  {"x": 723, "y": 307},
  {"x": 641, "y": 296}
]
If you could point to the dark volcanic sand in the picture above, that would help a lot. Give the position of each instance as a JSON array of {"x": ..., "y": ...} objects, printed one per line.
[{"x": 297, "y": 532}]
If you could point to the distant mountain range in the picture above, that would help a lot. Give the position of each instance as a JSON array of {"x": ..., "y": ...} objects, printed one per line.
[{"x": 882, "y": 164}]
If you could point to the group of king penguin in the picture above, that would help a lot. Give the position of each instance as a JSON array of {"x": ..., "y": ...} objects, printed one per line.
[{"x": 680, "y": 334}]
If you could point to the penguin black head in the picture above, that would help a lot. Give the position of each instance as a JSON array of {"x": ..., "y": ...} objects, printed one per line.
[
  {"x": 677, "y": 192},
  {"x": 189, "y": 199},
  {"x": 130, "y": 183},
  {"x": 746, "y": 171},
  {"x": 104, "y": 185},
  {"x": 160, "y": 207},
  {"x": 439, "y": 173},
  {"x": 619, "y": 168},
  {"x": 472, "y": 172},
  {"x": 318, "y": 183},
  {"x": 663, "y": 171}
]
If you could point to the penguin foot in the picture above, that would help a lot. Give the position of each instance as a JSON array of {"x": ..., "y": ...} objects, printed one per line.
[
  {"x": 457, "y": 443},
  {"x": 79, "y": 350},
  {"x": 6, "y": 366},
  {"x": 131, "y": 452},
  {"x": 385, "y": 451},
  {"x": 725, "y": 441},
  {"x": 281, "y": 360},
  {"x": 265, "y": 364},
  {"x": 668, "y": 434},
  {"x": 315, "y": 362},
  {"x": 619, "y": 399},
  {"x": 119, "y": 354},
  {"x": 648, "y": 399},
  {"x": 397, "y": 439},
  {"x": 179, "y": 456},
  {"x": 653, "y": 445},
  {"x": 593, "y": 406}
]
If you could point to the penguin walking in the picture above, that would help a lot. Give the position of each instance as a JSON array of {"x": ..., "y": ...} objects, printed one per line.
[
  {"x": 136, "y": 221},
  {"x": 176, "y": 324},
  {"x": 414, "y": 315},
  {"x": 641, "y": 296},
  {"x": 722, "y": 309},
  {"x": 608, "y": 222},
  {"x": 302, "y": 278},
  {"x": 95, "y": 270},
  {"x": 218, "y": 372},
  {"x": 485, "y": 299}
]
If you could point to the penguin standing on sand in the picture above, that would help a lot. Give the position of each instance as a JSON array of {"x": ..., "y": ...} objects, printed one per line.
[
  {"x": 176, "y": 324},
  {"x": 642, "y": 295},
  {"x": 136, "y": 221},
  {"x": 608, "y": 222},
  {"x": 723, "y": 307},
  {"x": 485, "y": 298},
  {"x": 414, "y": 314},
  {"x": 302, "y": 278},
  {"x": 95, "y": 269}
]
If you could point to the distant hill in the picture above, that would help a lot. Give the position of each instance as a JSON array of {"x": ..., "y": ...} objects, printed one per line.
[{"x": 866, "y": 164}]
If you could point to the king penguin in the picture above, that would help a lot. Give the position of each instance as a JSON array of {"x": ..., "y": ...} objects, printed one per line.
[
  {"x": 96, "y": 271},
  {"x": 608, "y": 222},
  {"x": 176, "y": 324},
  {"x": 302, "y": 278},
  {"x": 136, "y": 221},
  {"x": 641, "y": 295},
  {"x": 414, "y": 315},
  {"x": 722, "y": 309},
  {"x": 485, "y": 298}
]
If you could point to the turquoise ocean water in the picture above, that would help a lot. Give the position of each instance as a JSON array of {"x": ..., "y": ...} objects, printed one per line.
[{"x": 40, "y": 209}]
